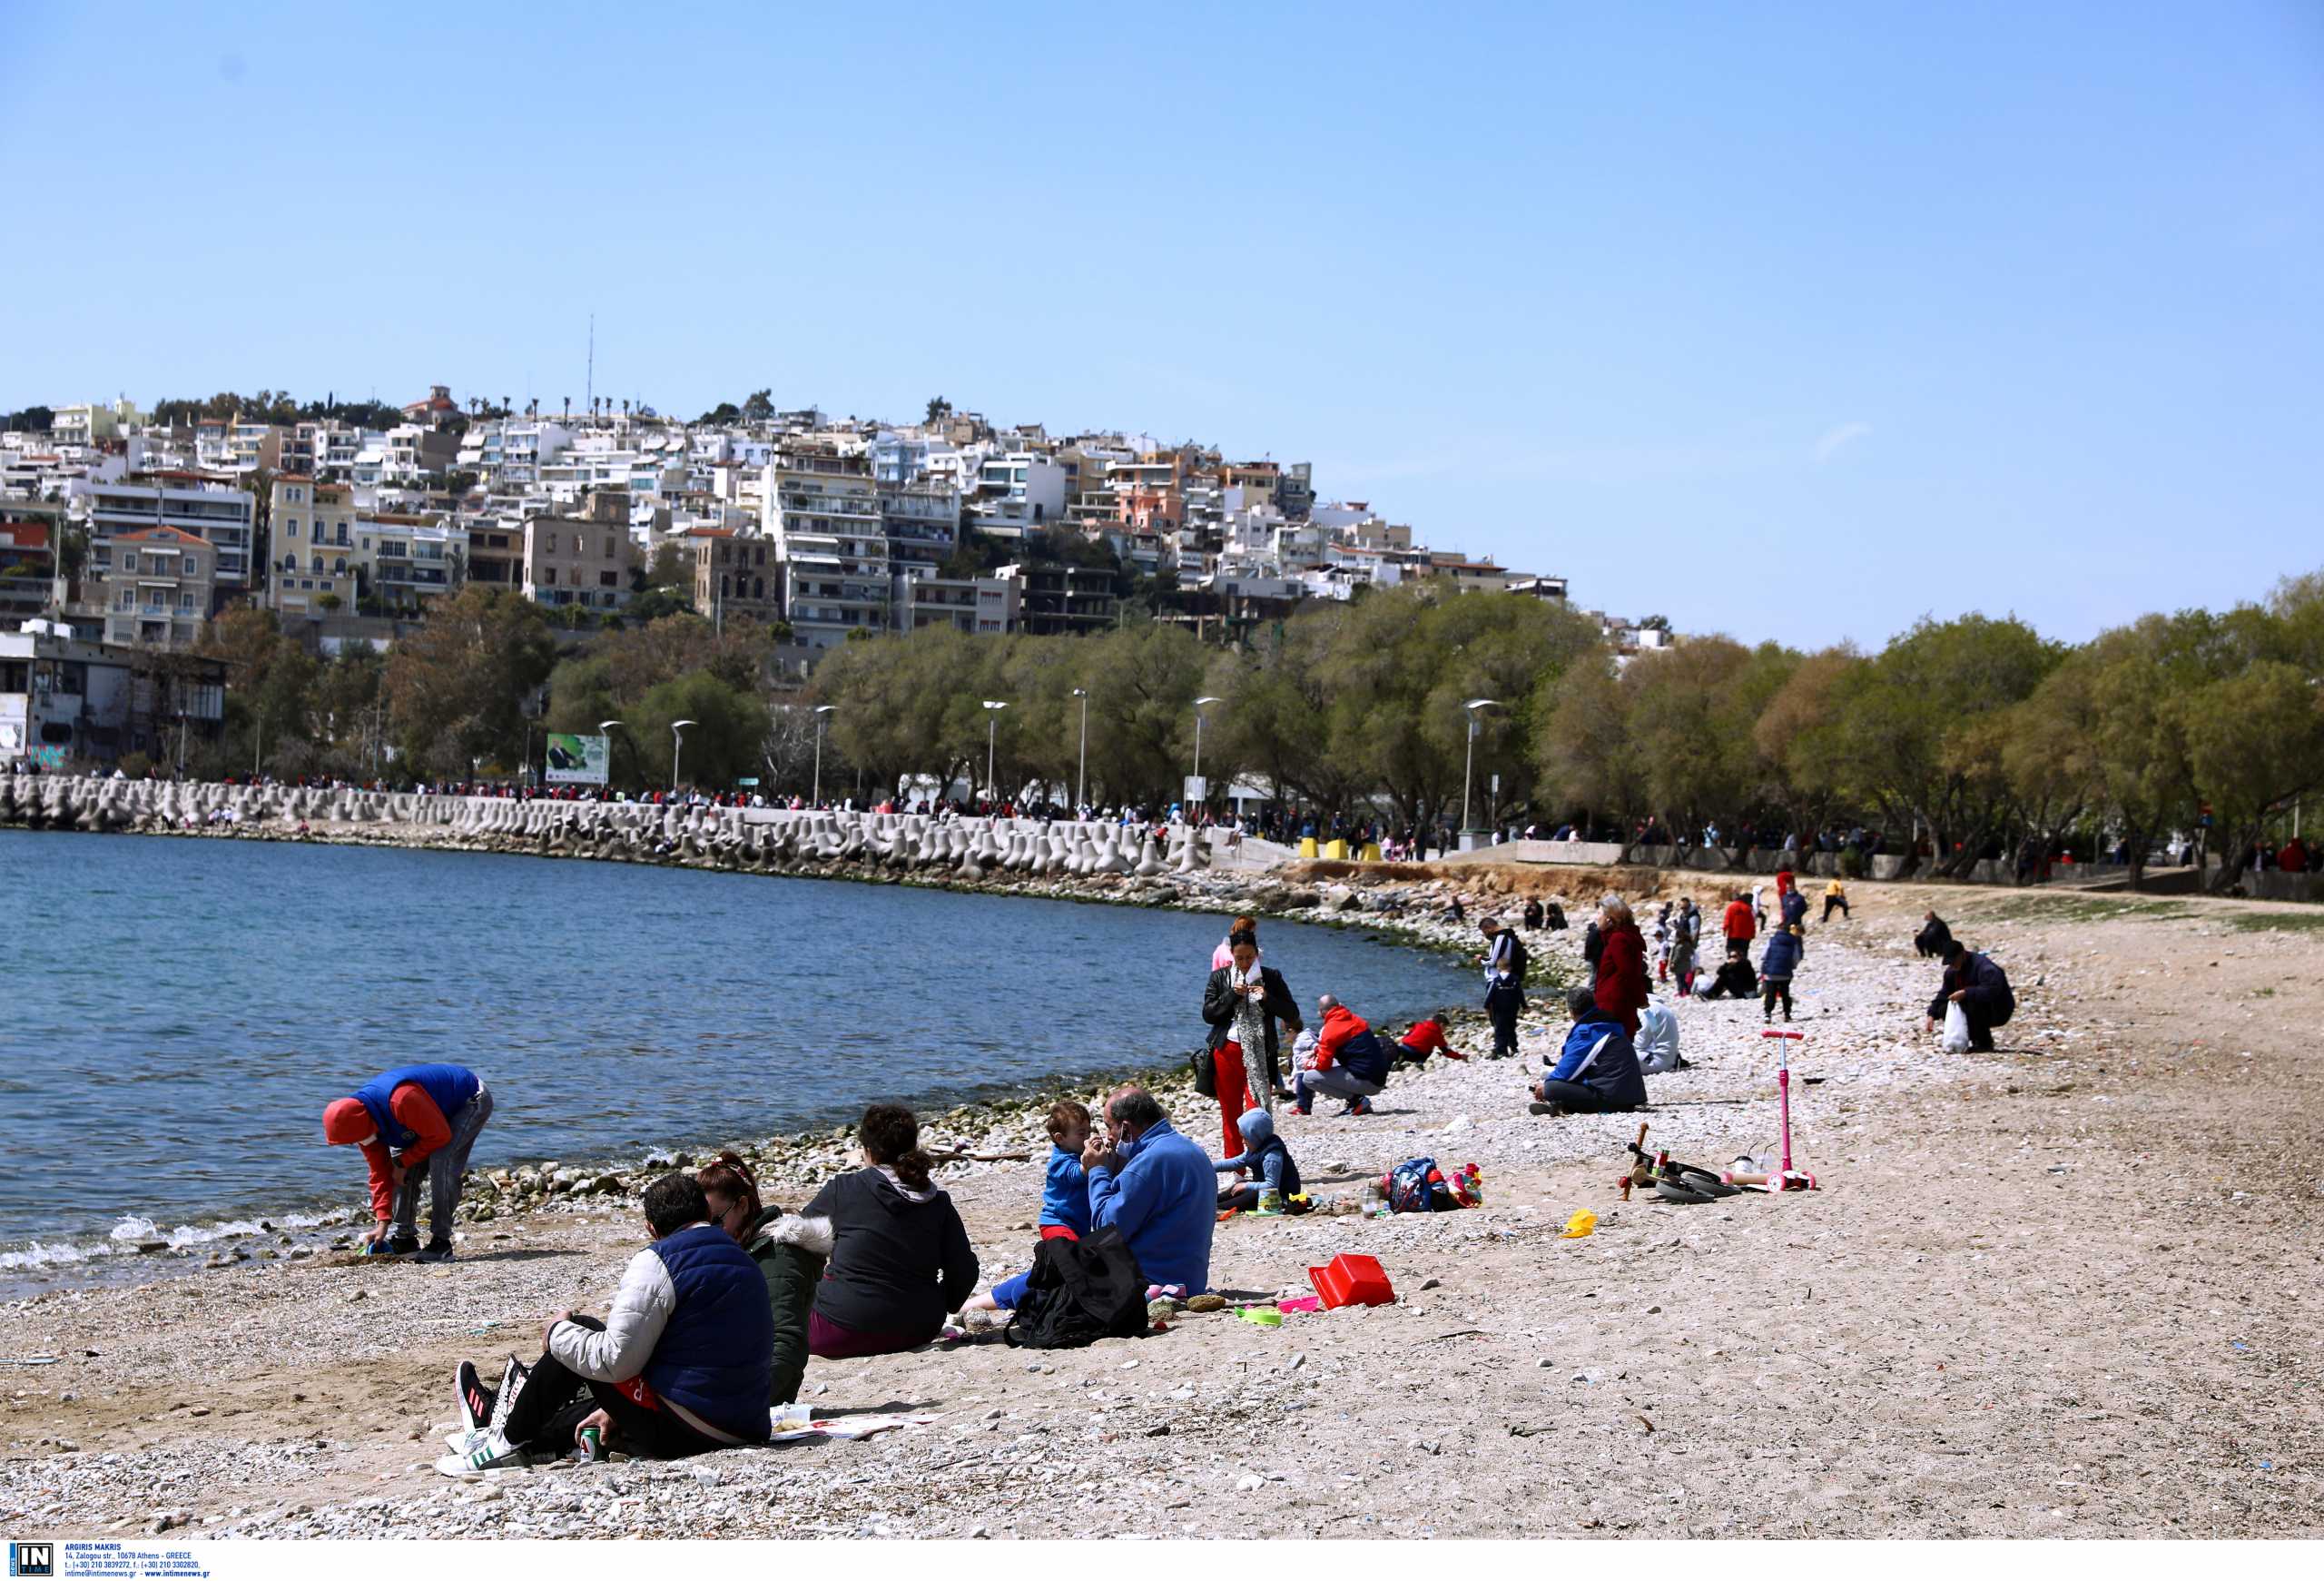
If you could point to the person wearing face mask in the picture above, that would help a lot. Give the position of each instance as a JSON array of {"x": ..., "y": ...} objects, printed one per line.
[
  {"x": 1244, "y": 1003},
  {"x": 414, "y": 1124},
  {"x": 1156, "y": 1188}
]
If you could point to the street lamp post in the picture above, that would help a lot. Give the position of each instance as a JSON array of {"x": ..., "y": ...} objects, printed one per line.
[
  {"x": 991, "y": 732},
  {"x": 1474, "y": 706},
  {"x": 1200, "y": 704},
  {"x": 822, "y": 714},
  {"x": 607, "y": 727},
  {"x": 1081, "y": 773},
  {"x": 677, "y": 746}
]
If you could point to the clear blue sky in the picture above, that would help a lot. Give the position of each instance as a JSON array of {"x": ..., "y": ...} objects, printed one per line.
[{"x": 1782, "y": 321}]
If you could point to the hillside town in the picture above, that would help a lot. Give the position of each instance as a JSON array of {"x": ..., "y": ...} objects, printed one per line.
[{"x": 124, "y": 533}]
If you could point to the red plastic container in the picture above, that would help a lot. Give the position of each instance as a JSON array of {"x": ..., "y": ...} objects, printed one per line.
[{"x": 1350, "y": 1280}]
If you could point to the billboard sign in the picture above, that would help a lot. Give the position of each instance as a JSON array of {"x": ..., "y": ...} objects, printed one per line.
[{"x": 578, "y": 760}]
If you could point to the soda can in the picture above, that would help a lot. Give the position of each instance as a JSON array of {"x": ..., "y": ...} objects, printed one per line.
[{"x": 593, "y": 1444}]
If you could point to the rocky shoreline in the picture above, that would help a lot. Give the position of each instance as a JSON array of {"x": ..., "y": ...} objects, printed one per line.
[{"x": 1962, "y": 1334}]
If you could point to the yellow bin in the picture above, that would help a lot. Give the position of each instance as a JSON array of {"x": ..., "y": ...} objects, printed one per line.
[
  {"x": 1307, "y": 848},
  {"x": 1336, "y": 851},
  {"x": 1371, "y": 853}
]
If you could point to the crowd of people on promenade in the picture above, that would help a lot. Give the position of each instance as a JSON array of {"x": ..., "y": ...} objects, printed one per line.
[{"x": 716, "y": 1319}]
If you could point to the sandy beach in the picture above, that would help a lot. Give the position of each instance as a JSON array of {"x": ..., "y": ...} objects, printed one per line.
[{"x": 2059, "y": 1290}]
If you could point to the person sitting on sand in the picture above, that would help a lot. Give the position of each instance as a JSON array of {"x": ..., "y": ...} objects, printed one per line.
[
  {"x": 901, "y": 1258},
  {"x": 415, "y": 1125},
  {"x": 791, "y": 1252},
  {"x": 1933, "y": 937},
  {"x": 1065, "y": 1192},
  {"x": 1426, "y": 1038},
  {"x": 1265, "y": 1155},
  {"x": 1734, "y": 979},
  {"x": 1596, "y": 1071},
  {"x": 1658, "y": 1040},
  {"x": 1350, "y": 1064},
  {"x": 680, "y": 1365},
  {"x": 1156, "y": 1187},
  {"x": 1152, "y": 1185},
  {"x": 1533, "y": 913},
  {"x": 1977, "y": 984}
]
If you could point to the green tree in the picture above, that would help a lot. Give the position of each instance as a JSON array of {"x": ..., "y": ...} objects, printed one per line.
[
  {"x": 759, "y": 406},
  {"x": 723, "y": 743},
  {"x": 456, "y": 689}
]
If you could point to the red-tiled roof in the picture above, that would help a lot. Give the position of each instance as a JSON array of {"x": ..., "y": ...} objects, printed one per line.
[{"x": 161, "y": 534}]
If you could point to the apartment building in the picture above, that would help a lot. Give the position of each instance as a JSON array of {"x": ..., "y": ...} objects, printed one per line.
[
  {"x": 215, "y": 509},
  {"x": 158, "y": 589},
  {"x": 922, "y": 521},
  {"x": 580, "y": 560},
  {"x": 734, "y": 577},
  {"x": 65, "y": 700},
  {"x": 496, "y": 551},
  {"x": 313, "y": 552},
  {"x": 832, "y": 539},
  {"x": 412, "y": 561},
  {"x": 1060, "y": 599},
  {"x": 28, "y": 538},
  {"x": 989, "y": 605}
]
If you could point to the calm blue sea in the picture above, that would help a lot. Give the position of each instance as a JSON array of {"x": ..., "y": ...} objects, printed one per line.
[{"x": 176, "y": 1013}]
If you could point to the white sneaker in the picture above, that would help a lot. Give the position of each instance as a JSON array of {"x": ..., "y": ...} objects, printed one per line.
[{"x": 486, "y": 1451}]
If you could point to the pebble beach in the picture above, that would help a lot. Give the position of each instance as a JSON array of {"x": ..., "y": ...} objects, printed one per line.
[{"x": 2044, "y": 1291}]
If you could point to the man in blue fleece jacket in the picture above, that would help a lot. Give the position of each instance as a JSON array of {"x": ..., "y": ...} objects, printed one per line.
[
  {"x": 1597, "y": 1073},
  {"x": 1156, "y": 1187}
]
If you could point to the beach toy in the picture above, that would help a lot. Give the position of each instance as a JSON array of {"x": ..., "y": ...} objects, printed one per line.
[
  {"x": 1583, "y": 1222},
  {"x": 1301, "y": 1304},
  {"x": 1264, "y": 1317},
  {"x": 1351, "y": 1279}
]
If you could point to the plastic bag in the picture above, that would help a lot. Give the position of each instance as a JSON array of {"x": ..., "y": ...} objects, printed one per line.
[{"x": 1956, "y": 1040}]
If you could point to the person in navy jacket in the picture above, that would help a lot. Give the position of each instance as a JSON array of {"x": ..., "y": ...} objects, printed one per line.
[
  {"x": 415, "y": 1125},
  {"x": 1597, "y": 1073},
  {"x": 681, "y": 1364}
]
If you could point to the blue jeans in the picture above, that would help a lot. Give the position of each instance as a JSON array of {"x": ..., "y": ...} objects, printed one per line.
[{"x": 1010, "y": 1292}]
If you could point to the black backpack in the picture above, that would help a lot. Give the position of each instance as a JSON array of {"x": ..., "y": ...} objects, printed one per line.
[
  {"x": 1080, "y": 1292},
  {"x": 1517, "y": 959}
]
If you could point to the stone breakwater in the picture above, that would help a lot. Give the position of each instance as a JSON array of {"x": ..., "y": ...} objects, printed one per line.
[{"x": 757, "y": 839}]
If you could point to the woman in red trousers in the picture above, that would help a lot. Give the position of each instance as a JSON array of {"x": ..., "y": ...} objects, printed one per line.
[{"x": 1244, "y": 1003}]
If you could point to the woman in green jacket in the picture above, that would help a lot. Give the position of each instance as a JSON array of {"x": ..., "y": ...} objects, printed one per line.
[{"x": 791, "y": 1252}]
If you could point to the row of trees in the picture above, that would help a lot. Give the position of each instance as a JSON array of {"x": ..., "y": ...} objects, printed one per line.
[{"x": 1968, "y": 734}]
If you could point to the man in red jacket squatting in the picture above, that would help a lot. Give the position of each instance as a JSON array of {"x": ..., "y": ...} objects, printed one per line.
[{"x": 414, "y": 1123}]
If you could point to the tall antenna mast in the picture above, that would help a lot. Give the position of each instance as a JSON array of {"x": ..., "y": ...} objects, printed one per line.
[{"x": 593, "y": 361}]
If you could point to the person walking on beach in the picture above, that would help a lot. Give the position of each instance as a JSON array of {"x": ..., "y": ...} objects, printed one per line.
[
  {"x": 1621, "y": 987},
  {"x": 1244, "y": 1003},
  {"x": 1504, "y": 963},
  {"x": 1778, "y": 962},
  {"x": 680, "y": 1365},
  {"x": 1836, "y": 894},
  {"x": 1686, "y": 934},
  {"x": 1738, "y": 924},
  {"x": 415, "y": 1125}
]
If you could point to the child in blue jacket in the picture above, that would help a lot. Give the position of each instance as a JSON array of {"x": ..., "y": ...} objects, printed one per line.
[
  {"x": 1265, "y": 1154},
  {"x": 1778, "y": 962},
  {"x": 1065, "y": 1190}
]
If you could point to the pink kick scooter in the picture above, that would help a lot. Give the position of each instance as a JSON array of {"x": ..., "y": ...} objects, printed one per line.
[{"x": 1787, "y": 1179}]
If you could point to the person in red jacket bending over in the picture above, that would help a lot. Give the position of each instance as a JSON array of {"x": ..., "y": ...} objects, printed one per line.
[
  {"x": 1426, "y": 1038},
  {"x": 415, "y": 1123}
]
